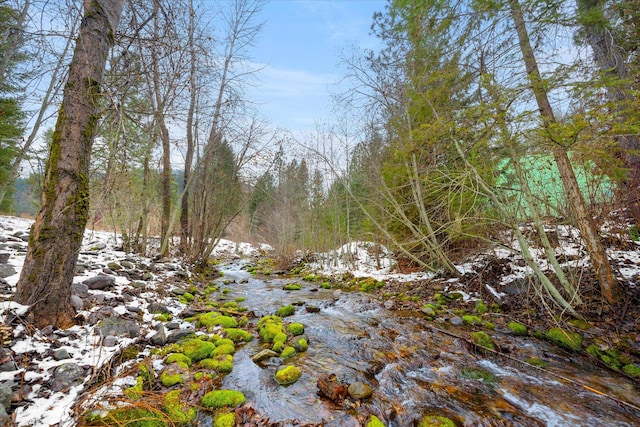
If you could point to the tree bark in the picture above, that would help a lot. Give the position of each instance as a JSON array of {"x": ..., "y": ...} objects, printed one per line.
[
  {"x": 56, "y": 236},
  {"x": 609, "y": 286}
]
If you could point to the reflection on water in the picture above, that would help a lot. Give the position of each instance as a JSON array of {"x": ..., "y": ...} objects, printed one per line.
[{"x": 413, "y": 369}]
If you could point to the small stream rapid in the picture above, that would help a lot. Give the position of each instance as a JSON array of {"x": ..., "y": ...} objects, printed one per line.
[{"x": 415, "y": 370}]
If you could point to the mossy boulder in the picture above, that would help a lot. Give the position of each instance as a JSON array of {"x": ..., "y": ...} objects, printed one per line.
[
  {"x": 374, "y": 422},
  {"x": 483, "y": 340},
  {"x": 197, "y": 349},
  {"x": 287, "y": 310},
  {"x": 296, "y": 329},
  {"x": 565, "y": 339},
  {"x": 238, "y": 335},
  {"x": 222, "y": 363},
  {"x": 215, "y": 319},
  {"x": 293, "y": 287},
  {"x": 171, "y": 377},
  {"x": 225, "y": 420},
  {"x": 179, "y": 358},
  {"x": 471, "y": 320},
  {"x": 288, "y": 352},
  {"x": 436, "y": 421},
  {"x": 517, "y": 328},
  {"x": 288, "y": 375},
  {"x": 269, "y": 327},
  {"x": 301, "y": 345},
  {"x": 178, "y": 411},
  {"x": 223, "y": 399},
  {"x": 481, "y": 307}
]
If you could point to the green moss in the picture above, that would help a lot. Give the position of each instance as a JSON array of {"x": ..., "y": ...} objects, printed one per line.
[
  {"x": 285, "y": 311},
  {"x": 482, "y": 339},
  {"x": 517, "y": 328},
  {"x": 240, "y": 299},
  {"x": 223, "y": 399},
  {"x": 288, "y": 375},
  {"x": 280, "y": 337},
  {"x": 311, "y": 278},
  {"x": 169, "y": 379},
  {"x": 293, "y": 287},
  {"x": 269, "y": 327},
  {"x": 225, "y": 321},
  {"x": 188, "y": 296},
  {"x": 489, "y": 325},
  {"x": 481, "y": 308},
  {"x": 565, "y": 339},
  {"x": 370, "y": 284},
  {"x": 224, "y": 349},
  {"x": 137, "y": 391},
  {"x": 296, "y": 329},
  {"x": 537, "y": 362},
  {"x": 580, "y": 324},
  {"x": 325, "y": 285},
  {"x": 223, "y": 341},
  {"x": 374, "y": 422},
  {"x": 222, "y": 363},
  {"x": 301, "y": 345},
  {"x": 470, "y": 319},
  {"x": 238, "y": 335},
  {"x": 178, "y": 358},
  {"x": 197, "y": 349},
  {"x": 479, "y": 374},
  {"x": 288, "y": 352},
  {"x": 631, "y": 370},
  {"x": 436, "y": 421},
  {"x": 225, "y": 420},
  {"x": 178, "y": 411},
  {"x": 278, "y": 346}
]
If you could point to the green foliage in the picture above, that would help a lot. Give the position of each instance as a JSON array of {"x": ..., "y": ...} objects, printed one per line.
[
  {"x": 566, "y": 339},
  {"x": 288, "y": 375},
  {"x": 223, "y": 399}
]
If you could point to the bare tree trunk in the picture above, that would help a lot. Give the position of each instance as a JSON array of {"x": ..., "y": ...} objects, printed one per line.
[
  {"x": 45, "y": 281},
  {"x": 604, "y": 273}
]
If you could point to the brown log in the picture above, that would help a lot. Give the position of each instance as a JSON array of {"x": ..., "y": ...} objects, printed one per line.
[{"x": 331, "y": 388}]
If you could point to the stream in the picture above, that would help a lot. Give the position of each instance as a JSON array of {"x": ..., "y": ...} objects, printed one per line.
[{"x": 414, "y": 369}]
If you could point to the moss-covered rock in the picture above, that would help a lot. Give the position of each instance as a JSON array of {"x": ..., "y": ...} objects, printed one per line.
[
  {"x": 481, "y": 307},
  {"x": 223, "y": 399},
  {"x": 170, "y": 378},
  {"x": 288, "y": 352},
  {"x": 296, "y": 329},
  {"x": 222, "y": 363},
  {"x": 436, "y": 421},
  {"x": 631, "y": 370},
  {"x": 470, "y": 319},
  {"x": 225, "y": 420},
  {"x": 483, "y": 340},
  {"x": 223, "y": 349},
  {"x": 269, "y": 327},
  {"x": 238, "y": 335},
  {"x": 293, "y": 287},
  {"x": 565, "y": 339},
  {"x": 197, "y": 349},
  {"x": 301, "y": 345},
  {"x": 278, "y": 346},
  {"x": 215, "y": 319},
  {"x": 131, "y": 417},
  {"x": 179, "y": 358},
  {"x": 287, "y": 310},
  {"x": 178, "y": 411},
  {"x": 288, "y": 375},
  {"x": 517, "y": 328},
  {"x": 374, "y": 422}
]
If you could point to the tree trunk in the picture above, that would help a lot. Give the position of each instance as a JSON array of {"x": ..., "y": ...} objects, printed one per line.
[
  {"x": 604, "y": 273},
  {"x": 56, "y": 236}
]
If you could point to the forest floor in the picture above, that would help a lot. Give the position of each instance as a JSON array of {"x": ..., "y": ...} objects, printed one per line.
[{"x": 494, "y": 286}]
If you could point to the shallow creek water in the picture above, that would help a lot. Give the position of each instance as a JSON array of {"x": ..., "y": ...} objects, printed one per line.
[{"x": 415, "y": 370}]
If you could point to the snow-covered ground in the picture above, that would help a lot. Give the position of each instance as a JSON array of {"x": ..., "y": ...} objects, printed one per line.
[{"x": 33, "y": 364}]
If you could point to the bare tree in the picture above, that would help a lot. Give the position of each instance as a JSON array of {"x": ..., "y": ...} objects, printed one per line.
[{"x": 45, "y": 280}]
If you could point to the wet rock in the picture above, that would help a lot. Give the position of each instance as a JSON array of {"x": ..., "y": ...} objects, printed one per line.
[
  {"x": 61, "y": 354},
  {"x": 359, "y": 390},
  {"x": 264, "y": 355},
  {"x": 7, "y": 270},
  {"x": 77, "y": 302},
  {"x": 456, "y": 321},
  {"x": 100, "y": 282},
  {"x": 312, "y": 309},
  {"x": 66, "y": 375}
]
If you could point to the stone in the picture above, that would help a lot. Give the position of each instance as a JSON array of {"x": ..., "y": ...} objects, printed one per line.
[
  {"x": 97, "y": 246},
  {"x": 157, "y": 308},
  {"x": 61, "y": 354},
  {"x": 101, "y": 314},
  {"x": 138, "y": 284},
  {"x": 7, "y": 270},
  {"x": 114, "y": 266},
  {"x": 100, "y": 282},
  {"x": 6, "y": 391},
  {"x": 388, "y": 304},
  {"x": 177, "y": 335},
  {"x": 67, "y": 375},
  {"x": 118, "y": 326},
  {"x": 329, "y": 387},
  {"x": 77, "y": 302},
  {"x": 172, "y": 325},
  {"x": 312, "y": 309},
  {"x": 263, "y": 355},
  {"x": 127, "y": 264},
  {"x": 428, "y": 311},
  {"x": 359, "y": 390},
  {"x": 178, "y": 291},
  {"x": 160, "y": 337},
  {"x": 110, "y": 341},
  {"x": 456, "y": 321},
  {"x": 4, "y": 257},
  {"x": 80, "y": 289}
]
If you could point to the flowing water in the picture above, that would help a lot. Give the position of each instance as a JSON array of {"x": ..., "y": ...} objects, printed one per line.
[{"x": 416, "y": 370}]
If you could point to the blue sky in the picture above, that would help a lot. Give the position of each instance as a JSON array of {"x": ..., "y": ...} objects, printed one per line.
[{"x": 300, "y": 45}]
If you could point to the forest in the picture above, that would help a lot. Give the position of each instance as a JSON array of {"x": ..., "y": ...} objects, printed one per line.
[{"x": 494, "y": 145}]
